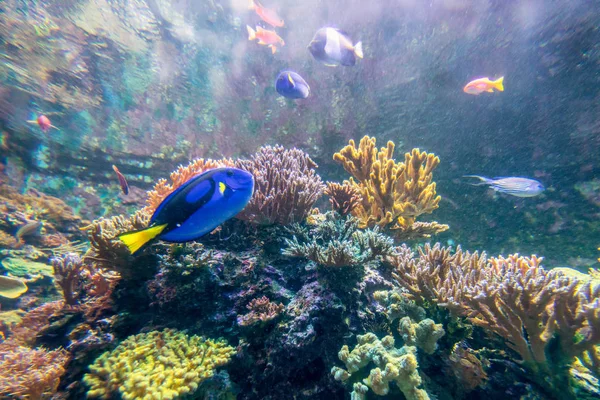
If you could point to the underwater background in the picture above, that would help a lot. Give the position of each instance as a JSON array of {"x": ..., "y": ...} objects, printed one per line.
[{"x": 324, "y": 286}]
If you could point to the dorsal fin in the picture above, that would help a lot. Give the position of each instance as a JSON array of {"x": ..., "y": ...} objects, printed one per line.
[{"x": 178, "y": 190}]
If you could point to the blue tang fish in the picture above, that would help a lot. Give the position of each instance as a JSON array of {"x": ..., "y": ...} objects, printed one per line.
[
  {"x": 291, "y": 85},
  {"x": 196, "y": 208},
  {"x": 519, "y": 187},
  {"x": 334, "y": 47}
]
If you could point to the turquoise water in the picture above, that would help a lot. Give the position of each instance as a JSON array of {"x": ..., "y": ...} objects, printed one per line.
[{"x": 149, "y": 85}]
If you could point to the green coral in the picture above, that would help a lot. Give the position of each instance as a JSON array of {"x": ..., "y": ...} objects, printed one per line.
[
  {"x": 337, "y": 242},
  {"x": 391, "y": 365},
  {"x": 156, "y": 365},
  {"x": 398, "y": 306},
  {"x": 23, "y": 267},
  {"x": 423, "y": 334}
]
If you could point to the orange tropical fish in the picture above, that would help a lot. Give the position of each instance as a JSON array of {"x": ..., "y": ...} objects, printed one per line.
[
  {"x": 481, "y": 85},
  {"x": 265, "y": 37},
  {"x": 266, "y": 14}
]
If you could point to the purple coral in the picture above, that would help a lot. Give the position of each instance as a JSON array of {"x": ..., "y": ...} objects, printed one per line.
[{"x": 286, "y": 186}]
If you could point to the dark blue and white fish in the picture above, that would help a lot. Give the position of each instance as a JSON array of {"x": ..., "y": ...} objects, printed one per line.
[
  {"x": 333, "y": 47},
  {"x": 514, "y": 186},
  {"x": 291, "y": 85},
  {"x": 196, "y": 208}
]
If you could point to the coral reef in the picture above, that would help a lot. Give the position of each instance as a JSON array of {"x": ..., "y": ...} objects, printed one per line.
[
  {"x": 391, "y": 365},
  {"x": 25, "y": 268},
  {"x": 67, "y": 275},
  {"x": 261, "y": 311},
  {"x": 547, "y": 318},
  {"x": 30, "y": 373},
  {"x": 393, "y": 194},
  {"x": 11, "y": 287},
  {"x": 107, "y": 251},
  {"x": 285, "y": 186},
  {"x": 468, "y": 369},
  {"x": 48, "y": 215},
  {"x": 178, "y": 177},
  {"x": 338, "y": 243},
  {"x": 163, "y": 364},
  {"x": 344, "y": 198},
  {"x": 423, "y": 334},
  {"x": 25, "y": 333}
]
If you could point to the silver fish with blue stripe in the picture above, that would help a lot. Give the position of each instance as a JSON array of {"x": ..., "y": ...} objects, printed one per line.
[{"x": 514, "y": 186}]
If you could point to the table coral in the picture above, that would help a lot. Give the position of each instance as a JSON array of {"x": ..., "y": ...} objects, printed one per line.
[
  {"x": 286, "y": 186},
  {"x": 393, "y": 193},
  {"x": 391, "y": 365},
  {"x": 11, "y": 287},
  {"x": 163, "y": 364},
  {"x": 23, "y": 267}
]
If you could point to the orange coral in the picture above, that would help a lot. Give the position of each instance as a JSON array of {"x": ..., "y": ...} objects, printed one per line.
[
  {"x": 261, "y": 310},
  {"x": 343, "y": 198},
  {"x": 393, "y": 194},
  {"x": 25, "y": 333},
  {"x": 30, "y": 373},
  {"x": 162, "y": 188}
]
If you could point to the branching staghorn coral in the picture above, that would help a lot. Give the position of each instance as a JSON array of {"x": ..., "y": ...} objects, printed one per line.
[
  {"x": 546, "y": 317},
  {"x": 338, "y": 243},
  {"x": 393, "y": 194},
  {"x": 178, "y": 177},
  {"x": 261, "y": 311},
  {"x": 344, "y": 198},
  {"x": 285, "y": 186},
  {"x": 391, "y": 365},
  {"x": 164, "y": 365},
  {"x": 30, "y": 373}
]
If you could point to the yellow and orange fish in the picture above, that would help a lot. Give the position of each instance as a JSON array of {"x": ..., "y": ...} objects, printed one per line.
[
  {"x": 481, "y": 85},
  {"x": 266, "y": 14},
  {"x": 265, "y": 37}
]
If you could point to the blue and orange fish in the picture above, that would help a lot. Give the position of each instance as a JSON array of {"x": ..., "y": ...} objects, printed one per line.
[{"x": 196, "y": 208}]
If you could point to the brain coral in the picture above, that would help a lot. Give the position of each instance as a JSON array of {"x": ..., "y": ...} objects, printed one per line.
[{"x": 156, "y": 365}]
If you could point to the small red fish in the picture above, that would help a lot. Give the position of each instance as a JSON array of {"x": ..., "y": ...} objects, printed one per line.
[
  {"x": 265, "y": 37},
  {"x": 267, "y": 15},
  {"x": 122, "y": 181},
  {"x": 44, "y": 123}
]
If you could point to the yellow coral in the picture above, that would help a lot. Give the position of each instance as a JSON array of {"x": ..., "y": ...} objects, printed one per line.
[
  {"x": 393, "y": 194},
  {"x": 161, "y": 365},
  {"x": 391, "y": 365}
]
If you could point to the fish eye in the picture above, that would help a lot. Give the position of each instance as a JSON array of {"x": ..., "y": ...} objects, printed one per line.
[{"x": 229, "y": 173}]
